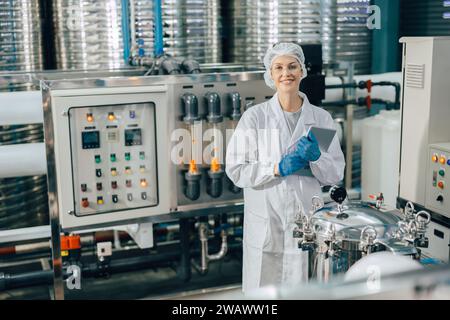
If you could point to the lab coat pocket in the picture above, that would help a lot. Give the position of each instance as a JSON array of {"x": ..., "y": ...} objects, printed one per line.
[{"x": 256, "y": 230}]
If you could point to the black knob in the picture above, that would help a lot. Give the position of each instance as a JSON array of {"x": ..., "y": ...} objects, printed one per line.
[
  {"x": 338, "y": 194},
  {"x": 440, "y": 198}
]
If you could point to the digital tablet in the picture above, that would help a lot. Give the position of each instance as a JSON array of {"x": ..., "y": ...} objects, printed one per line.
[{"x": 324, "y": 137}]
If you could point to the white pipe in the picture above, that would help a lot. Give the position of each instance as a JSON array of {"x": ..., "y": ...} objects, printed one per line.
[
  {"x": 24, "y": 107},
  {"x": 18, "y": 160}
]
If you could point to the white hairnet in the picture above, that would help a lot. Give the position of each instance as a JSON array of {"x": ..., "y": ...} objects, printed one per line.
[{"x": 283, "y": 49}]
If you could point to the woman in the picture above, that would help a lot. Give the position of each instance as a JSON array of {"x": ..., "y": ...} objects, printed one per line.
[{"x": 280, "y": 169}]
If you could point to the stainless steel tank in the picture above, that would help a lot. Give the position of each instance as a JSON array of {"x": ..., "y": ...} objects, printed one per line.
[
  {"x": 256, "y": 25},
  {"x": 23, "y": 200},
  {"x": 192, "y": 29},
  {"x": 337, "y": 235},
  {"x": 88, "y": 34},
  {"x": 345, "y": 35},
  {"x": 20, "y": 36}
]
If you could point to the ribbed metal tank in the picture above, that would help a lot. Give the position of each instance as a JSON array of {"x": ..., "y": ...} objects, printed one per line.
[
  {"x": 256, "y": 25},
  {"x": 88, "y": 34},
  {"x": 192, "y": 29},
  {"x": 23, "y": 200},
  {"x": 20, "y": 36},
  {"x": 345, "y": 35}
]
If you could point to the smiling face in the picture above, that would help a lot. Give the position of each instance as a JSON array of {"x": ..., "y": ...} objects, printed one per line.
[{"x": 286, "y": 73}]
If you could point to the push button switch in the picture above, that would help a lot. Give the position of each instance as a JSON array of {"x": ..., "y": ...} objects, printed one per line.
[
  {"x": 98, "y": 172},
  {"x": 115, "y": 198},
  {"x": 100, "y": 200},
  {"x": 144, "y": 195},
  {"x": 85, "y": 202},
  {"x": 130, "y": 197}
]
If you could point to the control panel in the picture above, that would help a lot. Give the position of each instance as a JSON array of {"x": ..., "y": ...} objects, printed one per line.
[
  {"x": 438, "y": 179},
  {"x": 113, "y": 157}
]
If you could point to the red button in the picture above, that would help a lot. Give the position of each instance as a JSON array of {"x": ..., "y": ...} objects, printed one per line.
[
  {"x": 441, "y": 184},
  {"x": 85, "y": 203}
]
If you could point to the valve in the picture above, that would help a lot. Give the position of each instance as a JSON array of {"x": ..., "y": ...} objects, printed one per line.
[{"x": 367, "y": 239}]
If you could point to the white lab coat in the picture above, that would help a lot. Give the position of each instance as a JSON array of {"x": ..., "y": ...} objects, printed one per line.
[{"x": 270, "y": 253}]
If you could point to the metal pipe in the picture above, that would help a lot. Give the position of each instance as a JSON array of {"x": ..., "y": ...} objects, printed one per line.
[{"x": 205, "y": 258}]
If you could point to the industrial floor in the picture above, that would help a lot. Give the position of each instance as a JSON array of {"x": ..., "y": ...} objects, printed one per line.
[{"x": 162, "y": 283}]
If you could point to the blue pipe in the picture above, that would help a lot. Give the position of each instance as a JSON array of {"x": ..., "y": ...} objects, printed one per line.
[
  {"x": 126, "y": 30},
  {"x": 158, "y": 48}
]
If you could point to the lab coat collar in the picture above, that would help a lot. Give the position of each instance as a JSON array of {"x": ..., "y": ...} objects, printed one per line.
[{"x": 306, "y": 119}]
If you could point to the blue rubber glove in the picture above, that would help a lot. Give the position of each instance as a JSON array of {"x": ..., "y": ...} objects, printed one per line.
[
  {"x": 291, "y": 163},
  {"x": 308, "y": 148}
]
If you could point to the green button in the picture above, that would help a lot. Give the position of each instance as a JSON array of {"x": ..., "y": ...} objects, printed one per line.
[
  {"x": 113, "y": 157},
  {"x": 142, "y": 155},
  {"x": 127, "y": 156},
  {"x": 98, "y": 159},
  {"x": 442, "y": 172}
]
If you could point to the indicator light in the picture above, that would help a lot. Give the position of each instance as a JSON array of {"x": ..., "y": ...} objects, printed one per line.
[
  {"x": 84, "y": 187},
  {"x": 442, "y": 172},
  {"x": 99, "y": 186},
  {"x": 441, "y": 185},
  {"x": 142, "y": 169},
  {"x": 142, "y": 155},
  {"x": 143, "y": 183},
  {"x": 128, "y": 170},
  {"x": 128, "y": 183},
  {"x": 114, "y": 184},
  {"x": 435, "y": 158},
  {"x": 132, "y": 114},
  {"x": 127, "y": 156},
  {"x": 100, "y": 200},
  {"x": 113, "y": 172},
  {"x": 113, "y": 157},
  {"x": 442, "y": 160},
  {"x": 98, "y": 159},
  {"x": 89, "y": 117},
  {"x": 111, "y": 116}
]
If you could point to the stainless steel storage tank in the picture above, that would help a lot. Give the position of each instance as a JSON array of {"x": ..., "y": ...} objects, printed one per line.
[
  {"x": 345, "y": 35},
  {"x": 23, "y": 200},
  {"x": 20, "y": 36},
  {"x": 191, "y": 28},
  {"x": 88, "y": 34},
  {"x": 256, "y": 25}
]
